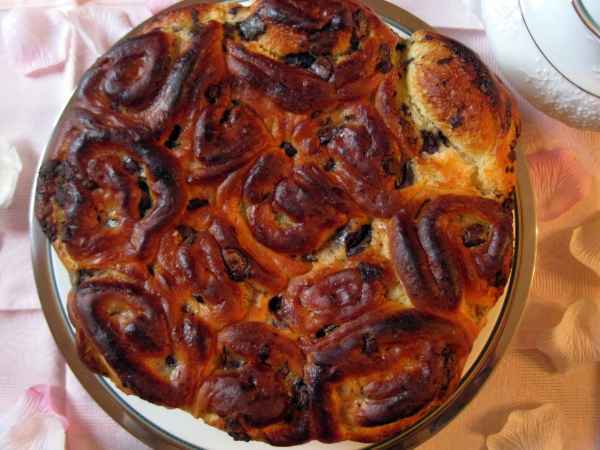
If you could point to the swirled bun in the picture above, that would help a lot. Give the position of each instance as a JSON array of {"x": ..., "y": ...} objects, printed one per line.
[{"x": 283, "y": 218}]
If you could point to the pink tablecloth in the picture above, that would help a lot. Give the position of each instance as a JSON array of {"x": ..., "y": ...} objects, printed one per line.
[{"x": 29, "y": 356}]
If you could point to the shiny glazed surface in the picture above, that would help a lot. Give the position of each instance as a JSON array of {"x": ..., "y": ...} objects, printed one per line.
[{"x": 291, "y": 239}]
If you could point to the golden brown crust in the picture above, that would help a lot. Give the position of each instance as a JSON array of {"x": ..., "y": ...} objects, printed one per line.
[
  {"x": 453, "y": 92},
  {"x": 374, "y": 376},
  {"x": 283, "y": 218}
]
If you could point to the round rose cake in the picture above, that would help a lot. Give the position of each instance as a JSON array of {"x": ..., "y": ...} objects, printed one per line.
[{"x": 283, "y": 218}]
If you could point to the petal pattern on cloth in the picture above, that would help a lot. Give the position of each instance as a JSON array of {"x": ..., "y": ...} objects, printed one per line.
[
  {"x": 576, "y": 339},
  {"x": 559, "y": 277},
  {"x": 585, "y": 244},
  {"x": 96, "y": 28},
  {"x": 158, "y": 5},
  {"x": 34, "y": 423},
  {"x": 100, "y": 26},
  {"x": 10, "y": 169},
  {"x": 535, "y": 429},
  {"x": 559, "y": 182},
  {"x": 35, "y": 39}
]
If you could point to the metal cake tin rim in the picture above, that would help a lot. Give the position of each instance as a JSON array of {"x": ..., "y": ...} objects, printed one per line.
[{"x": 158, "y": 438}]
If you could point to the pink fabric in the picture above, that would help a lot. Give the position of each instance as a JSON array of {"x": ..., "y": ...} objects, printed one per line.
[{"x": 28, "y": 356}]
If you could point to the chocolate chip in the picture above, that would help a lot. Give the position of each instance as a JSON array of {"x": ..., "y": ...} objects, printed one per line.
[
  {"x": 322, "y": 43},
  {"x": 486, "y": 85},
  {"x": 284, "y": 370},
  {"x": 235, "y": 430},
  {"x": 369, "y": 272},
  {"x": 384, "y": 65},
  {"x": 406, "y": 178},
  {"x": 225, "y": 118},
  {"x": 336, "y": 24},
  {"x": 508, "y": 204},
  {"x": 237, "y": 264},
  {"x": 197, "y": 203},
  {"x": 326, "y": 135},
  {"x": 248, "y": 383},
  {"x": 67, "y": 194},
  {"x": 421, "y": 207},
  {"x": 131, "y": 165},
  {"x": 430, "y": 142},
  {"x": 83, "y": 275},
  {"x": 229, "y": 361},
  {"x": 358, "y": 241},
  {"x": 251, "y": 28},
  {"x": 325, "y": 331},
  {"x": 186, "y": 233},
  {"x": 406, "y": 63},
  {"x": 449, "y": 366},
  {"x": 361, "y": 23},
  {"x": 163, "y": 174},
  {"x": 456, "y": 120},
  {"x": 443, "y": 139},
  {"x": 275, "y": 303},
  {"x": 500, "y": 279},
  {"x": 263, "y": 352},
  {"x": 354, "y": 42},
  {"x": 301, "y": 396},
  {"x": 90, "y": 185},
  {"x": 289, "y": 149},
  {"x": 303, "y": 60},
  {"x": 329, "y": 165},
  {"x": 171, "y": 141},
  {"x": 68, "y": 232},
  {"x": 445, "y": 61},
  {"x": 145, "y": 198},
  {"x": 391, "y": 166},
  {"x": 474, "y": 235},
  {"x": 170, "y": 361},
  {"x": 49, "y": 230},
  {"x": 369, "y": 344},
  {"x": 213, "y": 93}
]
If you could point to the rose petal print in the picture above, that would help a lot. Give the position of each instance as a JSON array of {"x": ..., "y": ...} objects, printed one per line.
[
  {"x": 158, "y": 5},
  {"x": 585, "y": 244},
  {"x": 34, "y": 423},
  {"x": 10, "y": 169},
  {"x": 536, "y": 429},
  {"x": 96, "y": 29},
  {"x": 576, "y": 339},
  {"x": 559, "y": 182},
  {"x": 559, "y": 277},
  {"x": 100, "y": 26},
  {"x": 36, "y": 40}
]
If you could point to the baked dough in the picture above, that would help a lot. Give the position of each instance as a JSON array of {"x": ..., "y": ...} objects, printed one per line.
[{"x": 283, "y": 218}]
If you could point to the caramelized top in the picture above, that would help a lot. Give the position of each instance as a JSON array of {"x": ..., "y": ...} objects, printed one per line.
[{"x": 283, "y": 218}]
